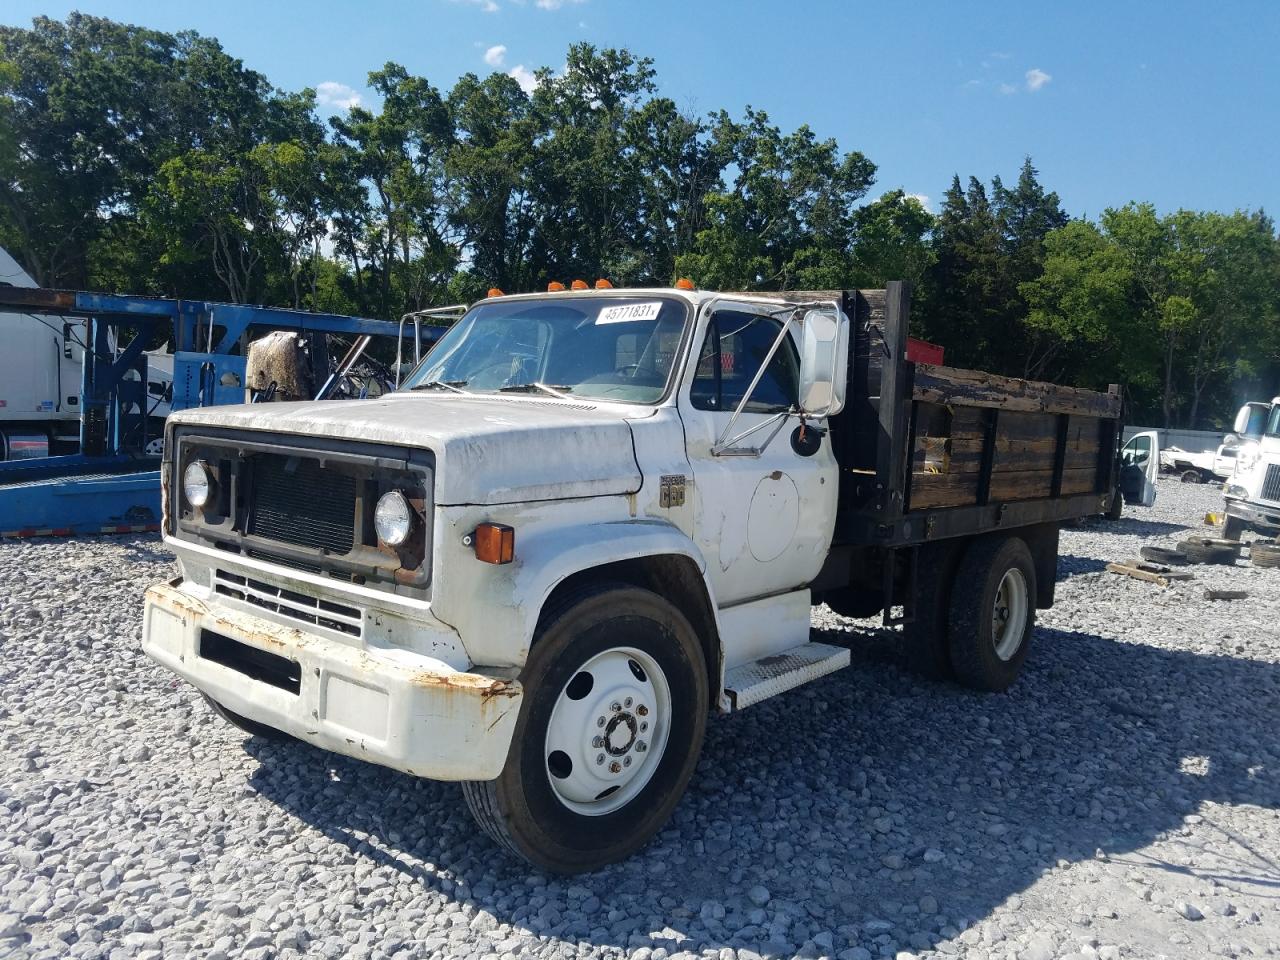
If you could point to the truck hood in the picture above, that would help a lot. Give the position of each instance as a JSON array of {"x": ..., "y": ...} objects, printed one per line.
[{"x": 489, "y": 449}]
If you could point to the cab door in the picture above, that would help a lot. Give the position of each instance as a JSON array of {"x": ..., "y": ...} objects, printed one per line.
[
  {"x": 764, "y": 506},
  {"x": 1139, "y": 467}
]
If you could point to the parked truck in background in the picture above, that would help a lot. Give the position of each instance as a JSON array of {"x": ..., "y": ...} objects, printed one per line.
[
  {"x": 589, "y": 519},
  {"x": 1252, "y": 492}
]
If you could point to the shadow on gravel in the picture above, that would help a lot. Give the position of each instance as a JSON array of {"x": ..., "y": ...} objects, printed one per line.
[
  {"x": 1133, "y": 527},
  {"x": 1070, "y": 565},
  {"x": 853, "y": 798}
]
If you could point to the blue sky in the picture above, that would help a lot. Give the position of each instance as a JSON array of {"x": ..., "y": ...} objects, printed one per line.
[{"x": 1176, "y": 103}]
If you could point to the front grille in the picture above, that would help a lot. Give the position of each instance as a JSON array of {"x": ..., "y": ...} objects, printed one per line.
[
  {"x": 1271, "y": 483},
  {"x": 289, "y": 603},
  {"x": 299, "y": 502}
]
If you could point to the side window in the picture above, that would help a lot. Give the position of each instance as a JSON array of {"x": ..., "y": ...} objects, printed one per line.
[
  {"x": 735, "y": 346},
  {"x": 1137, "y": 451}
]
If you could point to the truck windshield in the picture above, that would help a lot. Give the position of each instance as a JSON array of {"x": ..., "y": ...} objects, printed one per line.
[
  {"x": 1273, "y": 422},
  {"x": 611, "y": 348}
]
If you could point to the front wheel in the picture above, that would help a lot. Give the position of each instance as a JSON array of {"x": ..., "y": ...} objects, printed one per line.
[
  {"x": 615, "y": 707},
  {"x": 993, "y": 612}
]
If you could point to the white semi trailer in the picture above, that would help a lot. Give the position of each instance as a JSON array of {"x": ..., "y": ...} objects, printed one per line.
[{"x": 41, "y": 362}]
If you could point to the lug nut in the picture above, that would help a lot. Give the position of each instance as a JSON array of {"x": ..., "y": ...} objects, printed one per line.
[
  {"x": 615, "y": 767},
  {"x": 600, "y": 721},
  {"x": 644, "y": 726},
  {"x": 642, "y": 710},
  {"x": 641, "y": 746},
  {"x": 627, "y": 702},
  {"x": 599, "y": 759},
  {"x": 597, "y": 742},
  {"x": 626, "y": 762},
  {"x": 616, "y": 707}
]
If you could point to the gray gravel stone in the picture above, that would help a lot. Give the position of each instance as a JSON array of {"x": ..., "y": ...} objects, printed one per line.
[{"x": 829, "y": 820}]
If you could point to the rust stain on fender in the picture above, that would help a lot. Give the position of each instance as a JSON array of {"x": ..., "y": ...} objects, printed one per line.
[{"x": 469, "y": 684}]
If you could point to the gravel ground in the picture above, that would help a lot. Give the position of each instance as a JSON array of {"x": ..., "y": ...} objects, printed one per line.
[{"x": 1122, "y": 800}]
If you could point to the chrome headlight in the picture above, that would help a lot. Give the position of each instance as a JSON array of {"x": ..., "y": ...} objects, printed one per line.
[
  {"x": 393, "y": 518},
  {"x": 197, "y": 483}
]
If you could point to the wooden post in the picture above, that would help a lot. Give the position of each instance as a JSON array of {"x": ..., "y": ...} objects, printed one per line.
[
  {"x": 988, "y": 455},
  {"x": 1059, "y": 455},
  {"x": 895, "y": 397}
]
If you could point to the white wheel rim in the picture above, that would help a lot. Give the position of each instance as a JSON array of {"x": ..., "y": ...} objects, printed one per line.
[
  {"x": 608, "y": 732},
  {"x": 1009, "y": 614}
]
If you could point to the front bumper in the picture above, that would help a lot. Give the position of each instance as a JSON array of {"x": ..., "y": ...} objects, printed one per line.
[
  {"x": 1258, "y": 517},
  {"x": 408, "y": 711}
]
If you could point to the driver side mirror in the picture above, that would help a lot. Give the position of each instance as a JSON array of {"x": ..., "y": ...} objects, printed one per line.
[
  {"x": 1241, "y": 426},
  {"x": 824, "y": 361}
]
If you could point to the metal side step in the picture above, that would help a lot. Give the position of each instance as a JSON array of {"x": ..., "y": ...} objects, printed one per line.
[{"x": 760, "y": 679}]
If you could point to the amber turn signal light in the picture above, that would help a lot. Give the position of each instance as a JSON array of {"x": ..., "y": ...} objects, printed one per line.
[
  {"x": 684, "y": 283},
  {"x": 495, "y": 292},
  {"x": 495, "y": 543},
  {"x": 580, "y": 285},
  {"x": 603, "y": 284},
  {"x": 555, "y": 286}
]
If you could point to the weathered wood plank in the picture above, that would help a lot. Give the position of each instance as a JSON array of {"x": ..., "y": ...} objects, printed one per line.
[
  {"x": 930, "y": 490},
  {"x": 951, "y": 385}
]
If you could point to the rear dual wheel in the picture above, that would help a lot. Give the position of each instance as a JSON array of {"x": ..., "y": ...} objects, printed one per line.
[
  {"x": 975, "y": 612},
  {"x": 615, "y": 708}
]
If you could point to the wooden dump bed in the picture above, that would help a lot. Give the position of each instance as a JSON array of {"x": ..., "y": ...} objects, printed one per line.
[{"x": 933, "y": 451}]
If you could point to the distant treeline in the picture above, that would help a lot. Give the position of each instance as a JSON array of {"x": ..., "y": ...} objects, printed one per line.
[{"x": 134, "y": 160}]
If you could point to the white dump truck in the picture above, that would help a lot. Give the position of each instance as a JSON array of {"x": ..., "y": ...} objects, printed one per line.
[{"x": 589, "y": 520}]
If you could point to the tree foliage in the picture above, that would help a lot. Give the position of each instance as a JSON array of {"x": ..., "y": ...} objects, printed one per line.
[{"x": 132, "y": 159}]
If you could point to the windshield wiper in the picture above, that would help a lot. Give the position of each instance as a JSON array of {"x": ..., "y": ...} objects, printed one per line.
[
  {"x": 454, "y": 385},
  {"x": 559, "y": 390}
]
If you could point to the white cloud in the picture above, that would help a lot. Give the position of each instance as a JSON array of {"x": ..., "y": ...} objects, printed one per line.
[
  {"x": 1037, "y": 78},
  {"x": 922, "y": 199},
  {"x": 336, "y": 95},
  {"x": 555, "y": 4},
  {"x": 496, "y": 55},
  {"x": 525, "y": 77},
  {"x": 486, "y": 6},
  {"x": 1008, "y": 88}
]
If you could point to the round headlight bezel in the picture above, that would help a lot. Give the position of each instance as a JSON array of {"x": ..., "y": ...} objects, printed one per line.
[
  {"x": 197, "y": 470},
  {"x": 393, "y": 508}
]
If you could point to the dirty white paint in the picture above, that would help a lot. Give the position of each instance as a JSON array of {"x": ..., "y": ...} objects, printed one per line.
[
  {"x": 773, "y": 516},
  {"x": 420, "y": 715}
]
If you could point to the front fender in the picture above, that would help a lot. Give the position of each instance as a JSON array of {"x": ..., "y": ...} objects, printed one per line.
[{"x": 496, "y": 622}]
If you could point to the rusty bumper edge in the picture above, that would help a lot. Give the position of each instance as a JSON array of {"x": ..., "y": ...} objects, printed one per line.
[{"x": 168, "y": 596}]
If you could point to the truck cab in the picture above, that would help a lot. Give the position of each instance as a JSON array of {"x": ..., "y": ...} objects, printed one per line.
[
  {"x": 588, "y": 519},
  {"x": 1252, "y": 492}
]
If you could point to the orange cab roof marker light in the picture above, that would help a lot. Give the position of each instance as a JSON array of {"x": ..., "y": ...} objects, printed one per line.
[
  {"x": 580, "y": 285},
  {"x": 684, "y": 283},
  {"x": 495, "y": 292},
  {"x": 555, "y": 286},
  {"x": 603, "y": 284}
]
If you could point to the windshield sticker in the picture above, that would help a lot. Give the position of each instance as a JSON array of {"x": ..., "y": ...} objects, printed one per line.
[{"x": 629, "y": 312}]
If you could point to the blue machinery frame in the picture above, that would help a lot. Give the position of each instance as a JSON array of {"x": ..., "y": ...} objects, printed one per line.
[{"x": 110, "y": 486}]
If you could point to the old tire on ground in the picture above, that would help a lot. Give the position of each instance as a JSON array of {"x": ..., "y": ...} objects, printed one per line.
[
  {"x": 1263, "y": 554},
  {"x": 1210, "y": 550},
  {"x": 925, "y": 641},
  {"x": 615, "y": 707},
  {"x": 251, "y": 727},
  {"x": 1191, "y": 476},
  {"x": 1232, "y": 528},
  {"x": 1173, "y": 557},
  {"x": 994, "y": 614}
]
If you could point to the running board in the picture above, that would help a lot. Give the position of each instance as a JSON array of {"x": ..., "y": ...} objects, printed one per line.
[{"x": 767, "y": 677}]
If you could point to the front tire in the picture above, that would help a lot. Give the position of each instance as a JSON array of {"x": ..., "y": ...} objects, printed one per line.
[
  {"x": 251, "y": 727},
  {"x": 993, "y": 613},
  {"x": 615, "y": 708}
]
